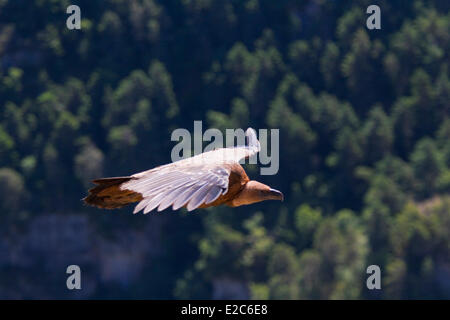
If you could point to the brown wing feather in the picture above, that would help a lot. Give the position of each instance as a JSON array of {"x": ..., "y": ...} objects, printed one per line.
[{"x": 108, "y": 194}]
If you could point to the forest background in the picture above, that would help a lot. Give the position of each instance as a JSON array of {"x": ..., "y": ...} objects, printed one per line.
[{"x": 364, "y": 119}]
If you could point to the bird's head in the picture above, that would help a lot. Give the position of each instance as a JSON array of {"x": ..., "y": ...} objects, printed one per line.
[{"x": 255, "y": 191}]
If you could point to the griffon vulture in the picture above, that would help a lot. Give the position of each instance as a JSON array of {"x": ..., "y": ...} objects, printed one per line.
[{"x": 209, "y": 179}]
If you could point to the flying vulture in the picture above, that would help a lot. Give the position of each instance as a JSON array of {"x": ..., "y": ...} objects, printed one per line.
[{"x": 209, "y": 179}]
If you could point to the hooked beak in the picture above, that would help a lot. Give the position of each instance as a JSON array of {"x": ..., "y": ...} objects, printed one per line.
[{"x": 276, "y": 195}]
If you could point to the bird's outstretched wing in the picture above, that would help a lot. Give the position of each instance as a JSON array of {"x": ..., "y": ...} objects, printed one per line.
[{"x": 190, "y": 182}]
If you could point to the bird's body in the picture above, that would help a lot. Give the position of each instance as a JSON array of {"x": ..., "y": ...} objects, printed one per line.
[{"x": 209, "y": 179}]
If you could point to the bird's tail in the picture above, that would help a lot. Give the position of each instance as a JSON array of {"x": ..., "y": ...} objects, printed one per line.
[{"x": 108, "y": 194}]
